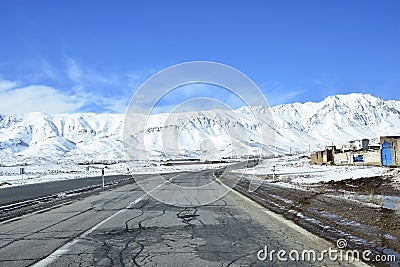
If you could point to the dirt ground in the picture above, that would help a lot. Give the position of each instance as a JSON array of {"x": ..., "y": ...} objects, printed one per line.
[{"x": 353, "y": 209}]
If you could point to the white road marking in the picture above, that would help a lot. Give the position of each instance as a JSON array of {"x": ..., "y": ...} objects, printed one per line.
[{"x": 66, "y": 247}]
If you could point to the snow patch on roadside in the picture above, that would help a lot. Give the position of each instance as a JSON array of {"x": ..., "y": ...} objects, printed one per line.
[{"x": 298, "y": 170}]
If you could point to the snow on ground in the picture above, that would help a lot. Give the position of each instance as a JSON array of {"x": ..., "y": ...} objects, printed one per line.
[
  {"x": 298, "y": 170},
  {"x": 47, "y": 171},
  {"x": 295, "y": 170}
]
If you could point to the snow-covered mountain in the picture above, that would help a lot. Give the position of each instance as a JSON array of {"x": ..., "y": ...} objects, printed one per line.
[
  {"x": 64, "y": 137},
  {"x": 335, "y": 120},
  {"x": 99, "y": 137}
]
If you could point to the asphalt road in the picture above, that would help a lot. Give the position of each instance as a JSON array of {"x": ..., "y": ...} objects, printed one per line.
[
  {"x": 20, "y": 193},
  {"x": 11, "y": 195},
  {"x": 126, "y": 227}
]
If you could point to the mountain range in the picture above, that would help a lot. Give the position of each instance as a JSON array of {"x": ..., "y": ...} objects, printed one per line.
[{"x": 297, "y": 128}]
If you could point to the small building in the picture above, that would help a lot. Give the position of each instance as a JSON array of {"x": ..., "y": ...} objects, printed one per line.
[
  {"x": 316, "y": 157},
  {"x": 359, "y": 152},
  {"x": 324, "y": 157},
  {"x": 374, "y": 143},
  {"x": 343, "y": 158},
  {"x": 355, "y": 145},
  {"x": 364, "y": 157},
  {"x": 390, "y": 150},
  {"x": 383, "y": 151}
]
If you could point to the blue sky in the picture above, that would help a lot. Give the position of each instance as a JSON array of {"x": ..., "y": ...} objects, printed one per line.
[{"x": 90, "y": 56}]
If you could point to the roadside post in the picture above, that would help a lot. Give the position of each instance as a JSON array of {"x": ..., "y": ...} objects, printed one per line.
[
  {"x": 22, "y": 172},
  {"x": 102, "y": 175},
  {"x": 87, "y": 171},
  {"x": 273, "y": 172}
]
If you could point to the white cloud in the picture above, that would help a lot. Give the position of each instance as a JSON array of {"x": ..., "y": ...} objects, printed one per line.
[
  {"x": 83, "y": 90},
  {"x": 73, "y": 71},
  {"x": 48, "y": 70},
  {"x": 36, "y": 98},
  {"x": 109, "y": 103},
  {"x": 86, "y": 76},
  {"x": 277, "y": 93},
  {"x": 7, "y": 85}
]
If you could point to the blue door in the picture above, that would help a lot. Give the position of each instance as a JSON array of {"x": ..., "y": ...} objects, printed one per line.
[{"x": 387, "y": 153}]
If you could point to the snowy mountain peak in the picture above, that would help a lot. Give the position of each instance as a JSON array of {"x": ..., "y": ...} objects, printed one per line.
[
  {"x": 338, "y": 118},
  {"x": 298, "y": 127}
]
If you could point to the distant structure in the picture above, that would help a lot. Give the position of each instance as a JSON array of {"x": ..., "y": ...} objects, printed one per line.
[
  {"x": 356, "y": 145},
  {"x": 324, "y": 156},
  {"x": 383, "y": 151},
  {"x": 374, "y": 143}
]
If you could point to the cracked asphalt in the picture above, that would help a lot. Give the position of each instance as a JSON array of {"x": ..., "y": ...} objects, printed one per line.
[{"x": 126, "y": 227}]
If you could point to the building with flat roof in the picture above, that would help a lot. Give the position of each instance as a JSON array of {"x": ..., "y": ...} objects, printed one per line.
[
  {"x": 382, "y": 151},
  {"x": 390, "y": 150},
  {"x": 324, "y": 157},
  {"x": 354, "y": 145}
]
